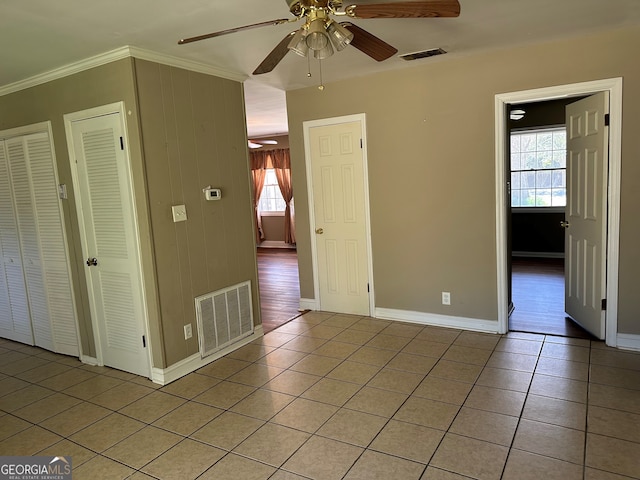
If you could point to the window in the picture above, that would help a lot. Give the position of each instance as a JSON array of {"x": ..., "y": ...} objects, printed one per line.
[
  {"x": 271, "y": 198},
  {"x": 538, "y": 168}
]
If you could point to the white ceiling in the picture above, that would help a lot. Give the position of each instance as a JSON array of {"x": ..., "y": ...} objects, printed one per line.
[{"x": 38, "y": 36}]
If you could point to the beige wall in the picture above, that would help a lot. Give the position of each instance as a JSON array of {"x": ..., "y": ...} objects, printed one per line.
[
  {"x": 49, "y": 102},
  {"x": 194, "y": 135},
  {"x": 431, "y": 157},
  {"x": 273, "y": 228}
]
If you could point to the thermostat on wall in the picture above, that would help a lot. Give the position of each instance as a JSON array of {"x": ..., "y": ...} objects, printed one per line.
[{"x": 212, "y": 193}]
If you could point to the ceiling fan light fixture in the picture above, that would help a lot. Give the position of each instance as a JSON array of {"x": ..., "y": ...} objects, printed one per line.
[
  {"x": 517, "y": 114},
  {"x": 340, "y": 36},
  {"x": 317, "y": 39},
  {"x": 326, "y": 52},
  {"x": 298, "y": 43}
]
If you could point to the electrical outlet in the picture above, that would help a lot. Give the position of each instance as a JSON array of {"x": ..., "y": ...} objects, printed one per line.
[
  {"x": 446, "y": 298},
  {"x": 188, "y": 333}
]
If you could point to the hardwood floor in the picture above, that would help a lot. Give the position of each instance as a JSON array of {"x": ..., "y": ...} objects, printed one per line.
[
  {"x": 279, "y": 286},
  {"x": 538, "y": 298}
]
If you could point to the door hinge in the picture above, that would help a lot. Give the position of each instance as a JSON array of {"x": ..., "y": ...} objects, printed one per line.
[
  {"x": 607, "y": 119},
  {"x": 144, "y": 342},
  {"x": 368, "y": 289},
  {"x": 360, "y": 143},
  {"x": 604, "y": 304},
  {"x": 121, "y": 143}
]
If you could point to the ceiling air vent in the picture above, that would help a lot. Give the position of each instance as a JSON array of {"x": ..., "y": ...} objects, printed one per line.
[{"x": 424, "y": 54}]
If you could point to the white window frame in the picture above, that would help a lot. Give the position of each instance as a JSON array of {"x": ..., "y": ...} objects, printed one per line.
[
  {"x": 273, "y": 213},
  {"x": 536, "y": 208}
]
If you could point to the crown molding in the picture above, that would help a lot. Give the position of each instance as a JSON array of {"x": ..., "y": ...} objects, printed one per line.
[
  {"x": 191, "y": 65},
  {"x": 112, "y": 56}
]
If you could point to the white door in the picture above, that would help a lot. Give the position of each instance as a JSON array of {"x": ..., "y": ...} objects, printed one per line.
[
  {"x": 61, "y": 327},
  {"x": 339, "y": 210},
  {"x": 15, "y": 318},
  {"x": 104, "y": 197},
  {"x": 29, "y": 235},
  {"x": 585, "y": 214},
  {"x": 36, "y": 295}
]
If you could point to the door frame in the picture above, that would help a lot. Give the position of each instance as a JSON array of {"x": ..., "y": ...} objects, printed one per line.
[
  {"x": 69, "y": 118},
  {"x": 614, "y": 87},
  {"x": 307, "y": 126}
]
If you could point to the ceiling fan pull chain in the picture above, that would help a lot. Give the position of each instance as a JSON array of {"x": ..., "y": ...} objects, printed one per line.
[
  {"x": 308, "y": 66},
  {"x": 321, "y": 86}
]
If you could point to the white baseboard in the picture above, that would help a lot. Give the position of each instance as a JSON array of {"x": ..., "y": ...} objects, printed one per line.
[
  {"x": 308, "y": 304},
  {"x": 163, "y": 376},
  {"x": 463, "y": 323},
  {"x": 628, "y": 341},
  {"x": 538, "y": 254},
  {"x": 276, "y": 244}
]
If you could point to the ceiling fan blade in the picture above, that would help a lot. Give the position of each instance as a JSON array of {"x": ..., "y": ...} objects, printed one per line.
[
  {"x": 279, "y": 21},
  {"x": 369, "y": 44},
  {"x": 276, "y": 55},
  {"x": 429, "y": 8}
]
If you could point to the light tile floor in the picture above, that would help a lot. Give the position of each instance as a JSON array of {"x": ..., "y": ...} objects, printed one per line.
[{"x": 339, "y": 397}]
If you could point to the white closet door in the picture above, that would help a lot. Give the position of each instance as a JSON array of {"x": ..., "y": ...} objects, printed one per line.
[
  {"x": 107, "y": 219},
  {"x": 53, "y": 253},
  {"x": 29, "y": 243},
  {"x": 15, "y": 320},
  {"x": 36, "y": 296}
]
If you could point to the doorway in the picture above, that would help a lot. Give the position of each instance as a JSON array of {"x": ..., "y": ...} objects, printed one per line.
[
  {"x": 502, "y": 101},
  {"x": 538, "y": 187}
]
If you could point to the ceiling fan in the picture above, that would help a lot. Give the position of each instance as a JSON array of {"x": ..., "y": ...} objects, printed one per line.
[
  {"x": 259, "y": 142},
  {"x": 320, "y": 33}
]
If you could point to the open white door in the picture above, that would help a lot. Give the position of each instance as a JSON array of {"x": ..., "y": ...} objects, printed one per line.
[
  {"x": 338, "y": 190},
  {"x": 586, "y": 212},
  {"x": 102, "y": 181}
]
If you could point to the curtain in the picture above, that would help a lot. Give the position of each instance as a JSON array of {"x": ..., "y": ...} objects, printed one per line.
[
  {"x": 258, "y": 172},
  {"x": 281, "y": 162}
]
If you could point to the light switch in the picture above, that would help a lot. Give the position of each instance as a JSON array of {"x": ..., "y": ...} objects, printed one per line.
[{"x": 179, "y": 213}]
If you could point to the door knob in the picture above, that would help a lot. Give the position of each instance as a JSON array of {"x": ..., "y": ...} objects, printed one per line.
[
  {"x": 319, "y": 231},
  {"x": 564, "y": 224},
  {"x": 92, "y": 262}
]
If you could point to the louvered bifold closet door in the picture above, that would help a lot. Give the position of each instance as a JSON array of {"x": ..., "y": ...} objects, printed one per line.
[
  {"x": 42, "y": 244},
  {"x": 15, "y": 321},
  {"x": 53, "y": 253},
  {"x": 29, "y": 243}
]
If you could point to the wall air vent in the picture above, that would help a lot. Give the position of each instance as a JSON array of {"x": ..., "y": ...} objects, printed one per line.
[
  {"x": 424, "y": 54},
  {"x": 224, "y": 317}
]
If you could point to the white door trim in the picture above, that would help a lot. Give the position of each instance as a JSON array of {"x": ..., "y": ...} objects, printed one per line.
[
  {"x": 119, "y": 108},
  {"x": 614, "y": 87},
  {"x": 307, "y": 126}
]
